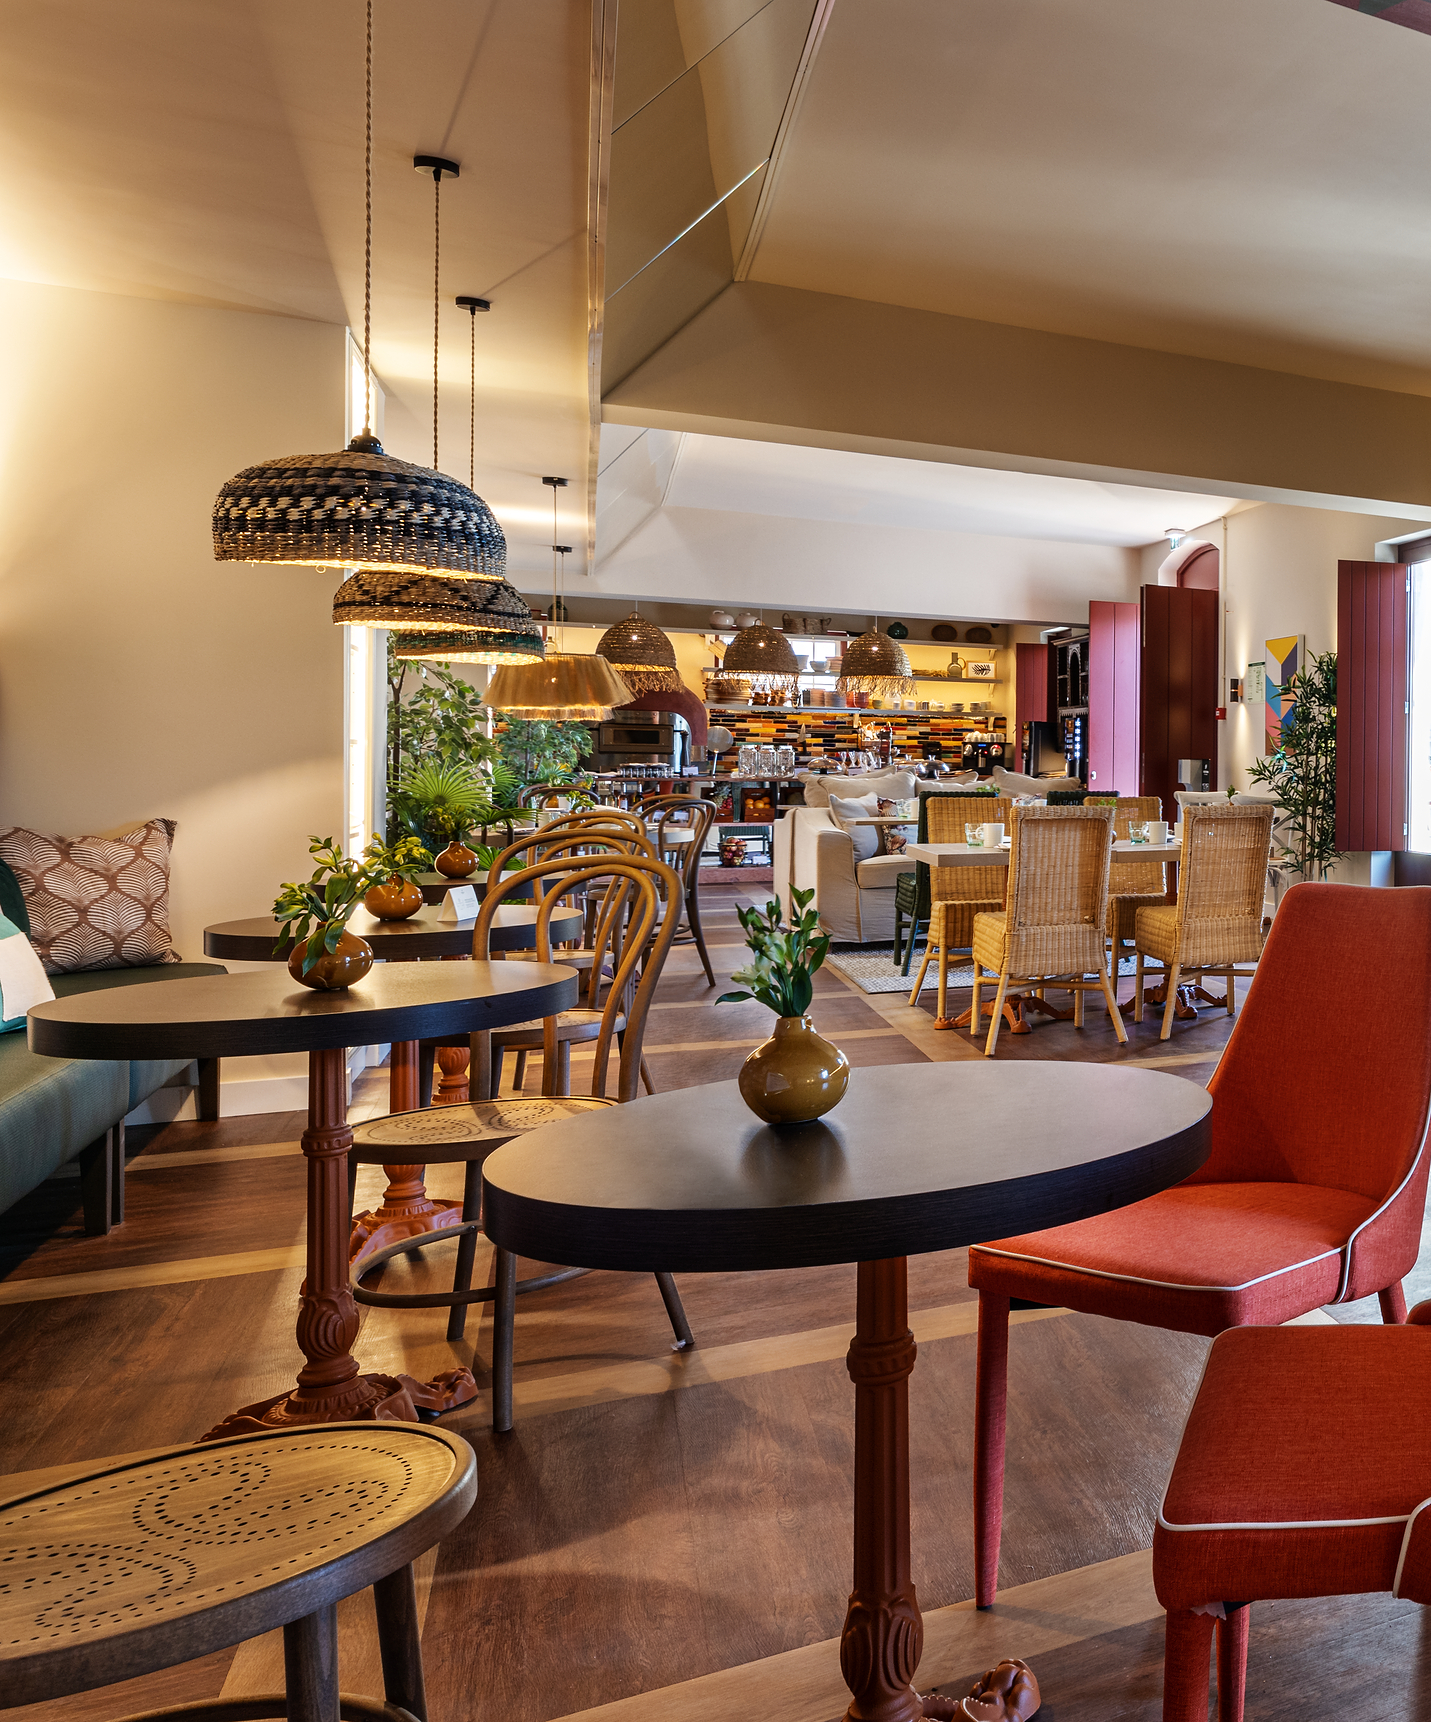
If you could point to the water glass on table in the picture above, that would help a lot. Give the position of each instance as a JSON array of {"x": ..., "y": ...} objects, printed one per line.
[
  {"x": 1138, "y": 831},
  {"x": 974, "y": 836}
]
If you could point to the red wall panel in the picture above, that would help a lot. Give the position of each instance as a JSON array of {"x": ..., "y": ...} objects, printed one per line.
[
  {"x": 1178, "y": 695},
  {"x": 1372, "y": 691},
  {"x": 1031, "y": 704},
  {"x": 1114, "y": 654}
]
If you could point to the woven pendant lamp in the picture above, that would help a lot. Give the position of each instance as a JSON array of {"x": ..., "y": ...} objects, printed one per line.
[
  {"x": 763, "y": 657},
  {"x": 361, "y": 507},
  {"x": 482, "y": 619},
  {"x": 875, "y": 664},
  {"x": 569, "y": 686},
  {"x": 642, "y": 655}
]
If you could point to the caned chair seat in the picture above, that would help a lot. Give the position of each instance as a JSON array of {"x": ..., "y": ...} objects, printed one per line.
[
  {"x": 443, "y": 1134},
  {"x": 952, "y": 923},
  {"x": 1123, "y": 913},
  {"x": 1156, "y": 927}
]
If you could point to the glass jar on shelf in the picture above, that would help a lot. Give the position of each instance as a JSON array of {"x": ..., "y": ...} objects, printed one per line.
[
  {"x": 785, "y": 761},
  {"x": 765, "y": 761},
  {"x": 747, "y": 759}
]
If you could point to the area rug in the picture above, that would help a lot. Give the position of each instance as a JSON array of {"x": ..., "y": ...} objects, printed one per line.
[{"x": 872, "y": 969}]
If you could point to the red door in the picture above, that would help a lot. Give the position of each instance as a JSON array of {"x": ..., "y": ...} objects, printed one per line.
[
  {"x": 1372, "y": 693},
  {"x": 1114, "y": 664}
]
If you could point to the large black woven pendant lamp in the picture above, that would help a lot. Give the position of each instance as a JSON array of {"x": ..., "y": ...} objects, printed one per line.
[
  {"x": 641, "y": 655},
  {"x": 454, "y": 621},
  {"x": 362, "y": 507},
  {"x": 573, "y": 687},
  {"x": 765, "y": 658},
  {"x": 876, "y": 664}
]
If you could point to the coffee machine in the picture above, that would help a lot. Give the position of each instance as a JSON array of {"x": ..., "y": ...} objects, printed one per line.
[
  {"x": 647, "y": 739},
  {"x": 982, "y": 752}
]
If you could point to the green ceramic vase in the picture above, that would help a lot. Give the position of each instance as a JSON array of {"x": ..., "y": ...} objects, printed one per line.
[{"x": 795, "y": 1076}]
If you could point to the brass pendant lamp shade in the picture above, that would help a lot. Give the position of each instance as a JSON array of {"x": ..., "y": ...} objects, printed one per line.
[
  {"x": 643, "y": 656},
  {"x": 577, "y": 687},
  {"x": 474, "y": 619},
  {"x": 875, "y": 664},
  {"x": 763, "y": 657}
]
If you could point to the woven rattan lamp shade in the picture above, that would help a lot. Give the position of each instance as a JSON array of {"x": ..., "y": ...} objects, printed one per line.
[
  {"x": 434, "y": 603},
  {"x": 875, "y": 664},
  {"x": 457, "y": 646},
  {"x": 763, "y": 657},
  {"x": 579, "y": 687},
  {"x": 358, "y": 509},
  {"x": 642, "y": 654}
]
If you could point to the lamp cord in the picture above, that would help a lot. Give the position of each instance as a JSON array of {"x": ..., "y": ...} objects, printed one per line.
[
  {"x": 368, "y": 238},
  {"x": 472, "y": 405},
  {"x": 436, "y": 296}
]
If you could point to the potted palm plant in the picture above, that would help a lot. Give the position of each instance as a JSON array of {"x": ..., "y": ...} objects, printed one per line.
[
  {"x": 314, "y": 916},
  {"x": 440, "y": 801},
  {"x": 797, "y": 1074}
]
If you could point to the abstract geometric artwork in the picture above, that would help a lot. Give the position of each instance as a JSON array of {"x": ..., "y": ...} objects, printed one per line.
[{"x": 1284, "y": 658}]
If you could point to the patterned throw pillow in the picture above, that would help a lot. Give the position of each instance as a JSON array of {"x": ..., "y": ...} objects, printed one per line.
[{"x": 94, "y": 902}]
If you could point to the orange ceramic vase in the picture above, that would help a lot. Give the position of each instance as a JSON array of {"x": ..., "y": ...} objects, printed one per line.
[
  {"x": 335, "y": 969},
  {"x": 394, "y": 901},
  {"x": 456, "y": 861}
]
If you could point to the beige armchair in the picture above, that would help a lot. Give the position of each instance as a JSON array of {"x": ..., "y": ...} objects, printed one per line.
[{"x": 855, "y": 898}]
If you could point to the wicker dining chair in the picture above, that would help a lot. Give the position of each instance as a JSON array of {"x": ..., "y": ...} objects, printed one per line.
[
  {"x": 1132, "y": 885},
  {"x": 912, "y": 890},
  {"x": 1051, "y": 931},
  {"x": 1217, "y": 921},
  {"x": 685, "y": 813},
  {"x": 958, "y": 894},
  {"x": 636, "y": 931}
]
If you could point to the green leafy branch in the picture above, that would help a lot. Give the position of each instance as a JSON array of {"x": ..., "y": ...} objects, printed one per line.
[
  {"x": 315, "y": 912},
  {"x": 784, "y": 958}
]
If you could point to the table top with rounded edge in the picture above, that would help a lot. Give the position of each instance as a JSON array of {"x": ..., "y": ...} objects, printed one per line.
[
  {"x": 915, "y": 1158},
  {"x": 514, "y": 928},
  {"x": 266, "y": 1010},
  {"x": 139, "y": 1564}
]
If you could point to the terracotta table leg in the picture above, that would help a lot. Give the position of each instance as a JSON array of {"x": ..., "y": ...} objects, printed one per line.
[
  {"x": 330, "y": 1387},
  {"x": 883, "y": 1634},
  {"x": 407, "y": 1210}
]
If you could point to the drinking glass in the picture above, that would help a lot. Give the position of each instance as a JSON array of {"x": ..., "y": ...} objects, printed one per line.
[
  {"x": 1138, "y": 831},
  {"x": 974, "y": 836}
]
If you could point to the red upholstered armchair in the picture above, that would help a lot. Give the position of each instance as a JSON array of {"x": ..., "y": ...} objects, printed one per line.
[
  {"x": 1314, "y": 1188},
  {"x": 1304, "y": 1470}
]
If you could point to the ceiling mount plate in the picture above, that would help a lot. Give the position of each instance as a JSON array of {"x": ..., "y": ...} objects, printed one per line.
[
  {"x": 471, "y": 304},
  {"x": 436, "y": 165}
]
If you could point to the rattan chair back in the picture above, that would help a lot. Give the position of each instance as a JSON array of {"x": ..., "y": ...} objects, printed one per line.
[
  {"x": 1221, "y": 877},
  {"x": 1128, "y": 878},
  {"x": 631, "y": 934},
  {"x": 1058, "y": 889},
  {"x": 946, "y": 817}
]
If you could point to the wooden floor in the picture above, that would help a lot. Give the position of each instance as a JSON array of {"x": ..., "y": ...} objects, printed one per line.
[{"x": 665, "y": 1535}]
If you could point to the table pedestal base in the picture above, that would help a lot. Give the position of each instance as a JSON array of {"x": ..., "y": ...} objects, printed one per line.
[
  {"x": 407, "y": 1210},
  {"x": 1014, "y": 1014},
  {"x": 330, "y": 1388}
]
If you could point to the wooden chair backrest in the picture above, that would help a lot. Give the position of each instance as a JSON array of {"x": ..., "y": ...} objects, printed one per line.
[
  {"x": 630, "y": 927},
  {"x": 946, "y": 817},
  {"x": 1058, "y": 889},
  {"x": 681, "y": 812},
  {"x": 1222, "y": 870}
]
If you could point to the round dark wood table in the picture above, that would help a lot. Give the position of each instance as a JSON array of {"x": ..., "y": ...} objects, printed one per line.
[
  {"x": 693, "y": 1182},
  {"x": 406, "y": 1210},
  {"x": 264, "y": 1011}
]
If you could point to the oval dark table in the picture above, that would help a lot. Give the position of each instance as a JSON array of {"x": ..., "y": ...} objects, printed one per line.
[
  {"x": 406, "y": 1210},
  {"x": 264, "y": 1011},
  {"x": 693, "y": 1182}
]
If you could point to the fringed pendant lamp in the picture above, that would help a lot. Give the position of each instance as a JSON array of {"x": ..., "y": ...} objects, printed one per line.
[
  {"x": 642, "y": 655},
  {"x": 876, "y": 664},
  {"x": 360, "y": 508},
  {"x": 763, "y": 657},
  {"x": 575, "y": 687}
]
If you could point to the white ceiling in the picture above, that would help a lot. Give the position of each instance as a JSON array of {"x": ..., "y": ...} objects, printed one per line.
[
  {"x": 1230, "y": 180},
  {"x": 213, "y": 153},
  {"x": 656, "y": 469}
]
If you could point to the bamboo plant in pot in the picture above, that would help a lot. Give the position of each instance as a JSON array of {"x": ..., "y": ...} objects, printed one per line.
[{"x": 797, "y": 1074}]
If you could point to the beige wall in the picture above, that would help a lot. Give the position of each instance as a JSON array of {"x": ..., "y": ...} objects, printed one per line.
[{"x": 138, "y": 676}]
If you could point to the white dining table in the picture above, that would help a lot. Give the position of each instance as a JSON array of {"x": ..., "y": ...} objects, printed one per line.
[{"x": 975, "y": 855}]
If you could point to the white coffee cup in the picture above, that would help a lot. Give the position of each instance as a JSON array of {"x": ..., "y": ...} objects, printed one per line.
[
  {"x": 1157, "y": 831},
  {"x": 993, "y": 836}
]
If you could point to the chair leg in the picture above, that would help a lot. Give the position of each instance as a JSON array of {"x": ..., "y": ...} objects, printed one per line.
[
  {"x": 116, "y": 1175},
  {"x": 504, "y": 1322},
  {"x": 898, "y": 934},
  {"x": 943, "y": 1012},
  {"x": 1393, "y": 1305},
  {"x": 693, "y": 921},
  {"x": 991, "y": 1402},
  {"x": 974, "y": 1009},
  {"x": 1186, "y": 1659},
  {"x": 519, "y": 1075},
  {"x": 426, "y": 1062},
  {"x": 1231, "y": 996},
  {"x": 1138, "y": 988},
  {"x": 310, "y": 1665},
  {"x": 1110, "y": 992},
  {"x": 1078, "y": 1007},
  {"x": 1232, "y": 1635},
  {"x": 998, "y": 1014},
  {"x": 913, "y": 939},
  {"x": 677, "y": 1312},
  {"x": 646, "y": 1080},
  {"x": 923, "y": 971},
  {"x": 494, "y": 1082},
  {"x": 1174, "y": 974},
  {"x": 97, "y": 1185},
  {"x": 400, "y": 1641},
  {"x": 208, "y": 1097},
  {"x": 466, "y": 1249}
]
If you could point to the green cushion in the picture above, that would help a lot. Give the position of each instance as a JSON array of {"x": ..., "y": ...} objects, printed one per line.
[
  {"x": 50, "y": 1108},
  {"x": 12, "y": 898}
]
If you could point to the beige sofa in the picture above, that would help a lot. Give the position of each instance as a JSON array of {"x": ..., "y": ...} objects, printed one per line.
[{"x": 810, "y": 851}]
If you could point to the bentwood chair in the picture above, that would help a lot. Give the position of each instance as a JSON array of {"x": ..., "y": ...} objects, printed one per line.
[
  {"x": 958, "y": 894},
  {"x": 1050, "y": 934},
  {"x": 1132, "y": 884},
  {"x": 635, "y": 931},
  {"x": 686, "y": 815},
  {"x": 1314, "y": 1188},
  {"x": 1302, "y": 1472},
  {"x": 913, "y": 891},
  {"x": 1217, "y": 922}
]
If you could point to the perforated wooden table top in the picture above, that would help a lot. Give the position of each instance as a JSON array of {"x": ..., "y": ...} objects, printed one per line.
[{"x": 162, "y": 1558}]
